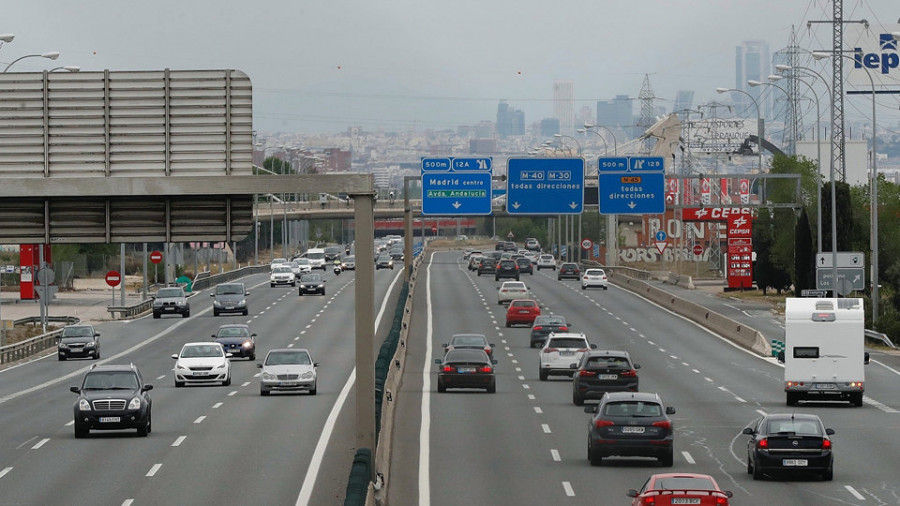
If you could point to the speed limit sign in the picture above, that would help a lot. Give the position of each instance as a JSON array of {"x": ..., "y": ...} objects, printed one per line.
[{"x": 586, "y": 243}]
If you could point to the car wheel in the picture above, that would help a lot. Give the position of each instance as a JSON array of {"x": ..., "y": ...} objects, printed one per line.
[
  {"x": 441, "y": 388},
  {"x": 583, "y": 287},
  {"x": 185, "y": 314},
  {"x": 156, "y": 315},
  {"x": 559, "y": 278},
  {"x": 144, "y": 428},
  {"x": 499, "y": 302},
  {"x": 293, "y": 285},
  {"x": 263, "y": 392},
  {"x": 246, "y": 312},
  {"x": 517, "y": 277},
  {"x": 215, "y": 313},
  {"x": 300, "y": 294},
  {"x": 62, "y": 358},
  {"x": 492, "y": 388},
  {"x": 479, "y": 274},
  {"x": 271, "y": 285},
  {"x": 668, "y": 459},
  {"x": 542, "y": 374},
  {"x": 749, "y": 465},
  {"x": 757, "y": 472},
  {"x": 97, "y": 355},
  {"x": 312, "y": 391},
  {"x": 508, "y": 324},
  {"x": 577, "y": 399},
  {"x": 606, "y": 288},
  {"x": 828, "y": 475},
  {"x": 179, "y": 384},
  {"x": 227, "y": 381},
  {"x": 252, "y": 356},
  {"x": 81, "y": 432},
  {"x": 595, "y": 456},
  {"x": 791, "y": 399},
  {"x": 496, "y": 278}
]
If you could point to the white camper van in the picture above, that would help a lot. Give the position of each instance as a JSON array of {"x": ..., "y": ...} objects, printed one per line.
[{"x": 824, "y": 350}]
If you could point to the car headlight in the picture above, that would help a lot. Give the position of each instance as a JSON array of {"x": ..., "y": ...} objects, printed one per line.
[
  {"x": 63, "y": 346},
  {"x": 221, "y": 366},
  {"x": 267, "y": 376},
  {"x": 91, "y": 344},
  {"x": 84, "y": 405},
  {"x": 307, "y": 375},
  {"x": 320, "y": 285},
  {"x": 180, "y": 366},
  {"x": 216, "y": 303},
  {"x": 181, "y": 302},
  {"x": 272, "y": 277},
  {"x": 247, "y": 344},
  {"x": 135, "y": 403},
  {"x": 243, "y": 302}
]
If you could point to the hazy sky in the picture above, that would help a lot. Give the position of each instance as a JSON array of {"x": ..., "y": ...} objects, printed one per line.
[{"x": 321, "y": 66}]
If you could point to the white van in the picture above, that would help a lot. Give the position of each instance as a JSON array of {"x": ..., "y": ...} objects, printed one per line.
[
  {"x": 824, "y": 350},
  {"x": 316, "y": 257}
]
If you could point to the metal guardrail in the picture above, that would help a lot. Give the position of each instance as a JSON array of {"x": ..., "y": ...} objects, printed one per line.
[
  {"x": 878, "y": 336},
  {"x": 17, "y": 351},
  {"x": 204, "y": 280},
  {"x": 132, "y": 310}
]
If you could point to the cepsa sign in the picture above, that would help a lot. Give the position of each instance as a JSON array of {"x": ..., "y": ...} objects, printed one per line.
[{"x": 716, "y": 213}]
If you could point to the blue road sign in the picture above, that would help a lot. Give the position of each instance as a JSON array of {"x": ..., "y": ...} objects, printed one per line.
[
  {"x": 660, "y": 236},
  {"x": 456, "y": 186},
  {"x": 545, "y": 186},
  {"x": 638, "y": 189}
]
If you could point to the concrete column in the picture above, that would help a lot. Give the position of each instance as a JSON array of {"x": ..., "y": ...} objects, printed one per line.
[
  {"x": 612, "y": 241},
  {"x": 364, "y": 215}
]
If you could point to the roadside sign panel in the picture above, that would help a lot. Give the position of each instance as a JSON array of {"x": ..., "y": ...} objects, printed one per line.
[
  {"x": 639, "y": 188},
  {"x": 855, "y": 276},
  {"x": 545, "y": 186},
  {"x": 456, "y": 186},
  {"x": 849, "y": 259}
]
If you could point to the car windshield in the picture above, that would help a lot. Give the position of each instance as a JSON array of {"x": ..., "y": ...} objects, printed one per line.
[
  {"x": 350, "y": 259},
  {"x": 229, "y": 289},
  {"x": 311, "y": 278},
  {"x": 550, "y": 320},
  {"x": 78, "y": 332},
  {"x": 282, "y": 270},
  {"x": 567, "y": 342},
  {"x": 608, "y": 362},
  {"x": 288, "y": 358},
  {"x": 683, "y": 483},
  {"x": 632, "y": 408},
  {"x": 233, "y": 332},
  {"x": 477, "y": 356},
  {"x": 332, "y": 249},
  {"x": 800, "y": 427},
  {"x": 169, "y": 293},
  {"x": 468, "y": 341},
  {"x": 316, "y": 256},
  {"x": 110, "y": 381},
  {"x": 204, "y": 350}
]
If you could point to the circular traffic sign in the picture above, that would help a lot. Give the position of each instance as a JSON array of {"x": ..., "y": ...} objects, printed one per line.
[
  {"x": 113, "y": 278},
  {"x": 698, "y": 250},
  {"x": 586, "y": 243},
  {"x": 661, "y": 236},
  {"x": 156, "y": 257}
]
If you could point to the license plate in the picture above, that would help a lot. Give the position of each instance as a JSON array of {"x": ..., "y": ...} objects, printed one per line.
[
  {"x": 287, "y": 384},
  {"x": 170, "y": 308},
  {"x": 607, "y": 376},
  {"x": 685, "y": 500},
  {"x": 566, "y": 353},
  {"x": 826, "y": 386},
  {"x": 465, "y": 369},
  {"x": 201, "y": 373},
  {"x": 229, "y": 307},
  {"x": 632, "y": 430},
  {"x": 110, "y": 419},
  {"x": 794, "y": 462},
  {"x": 522, "y": 311}
]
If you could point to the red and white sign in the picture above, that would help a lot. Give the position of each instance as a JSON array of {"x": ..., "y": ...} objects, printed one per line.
[
  {"x": 724, "y": 191},
  {"x": 156, "y": 257},
  {"x": 745, "y": 191},
  {"x": 704, "y": 191},
  {"x": 672, "y": 192},
  {"x": 715, "y": 213},
  {"x": 113, "y": 278},
  {"x": 661, "y": 246},
  {"x": 698, "y": 249},
  {"x": 586, "y": 243},
  {"x": 740, "y": 226}
]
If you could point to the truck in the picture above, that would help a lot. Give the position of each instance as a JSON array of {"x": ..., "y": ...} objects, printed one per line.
[{"x": 824, "y": 350}]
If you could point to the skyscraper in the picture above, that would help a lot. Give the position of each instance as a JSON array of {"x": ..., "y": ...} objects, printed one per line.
[
  {"x": 751, "y": 62},
  {"x": 617, "y": 112},
  {"x": 510, "y": 121},
  {"x": 564, "y": 106}
]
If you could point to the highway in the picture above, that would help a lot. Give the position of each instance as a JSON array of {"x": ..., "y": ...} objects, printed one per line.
[
  {"x": 526, "y": 444},
  {"x": 209, "y": 444}
]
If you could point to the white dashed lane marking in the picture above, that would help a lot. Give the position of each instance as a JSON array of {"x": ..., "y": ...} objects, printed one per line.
[
  {"x": 554, "y": 454},
  {"x": 200, "y": 419},
  {"x": 546, "y": 428},
  {"x": 538, "y": 410},
  {"x": 568, "y": 488},
  {"x": 688, "y": 458},
  {"x": 217, "y": 405},
  {"x": 40, "y": 443},
  {"x": 153, "y": 470},
  {"x": 178, "y": 441},
  {"x": 5, "y": 471}
]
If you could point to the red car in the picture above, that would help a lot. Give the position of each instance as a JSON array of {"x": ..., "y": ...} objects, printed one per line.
[
  {"x": 522, "y": 311},
  {"x": 680, "y": 488}
]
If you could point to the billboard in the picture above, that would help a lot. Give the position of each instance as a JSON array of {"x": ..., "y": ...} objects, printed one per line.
[
  {"x": 876, "y": 52},
  {"x": 718, "y": 135}
]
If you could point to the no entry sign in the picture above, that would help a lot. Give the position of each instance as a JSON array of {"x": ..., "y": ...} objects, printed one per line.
[
  {"x": 113, "y": 278},
  {"x": 156, "y": 257}
]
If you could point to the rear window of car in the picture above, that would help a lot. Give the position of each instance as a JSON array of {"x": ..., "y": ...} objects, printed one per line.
[
  {"x": 567, "y": 342},
  {"x": 611, "y": 362},
  {"x": 523, "y": 303},
  {"x": 683, "y": 483},
  {"x": 523, "y": 261},
  {"x": 477, "y": 356},
  {"x": 594, "y": 272},
  {"x": 514, "y": 285},
  {"x": 550, "y": 320},
  {"x": 568, "y": 266},
  {"x": 795, "y": 426},
  {"x": 507, "y": 264},
  {"x": 631, "y": 408},
  {"x": 467, "y": 341},
  {"x": 546, "y": 257}
]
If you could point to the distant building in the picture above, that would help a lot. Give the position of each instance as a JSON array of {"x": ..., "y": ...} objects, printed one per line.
[
  {"x": 564, "y": 106},
  {"x": 549, "y": 127},
  {"x": 684, "y": 100},
  {"x": 751, "y": 63},
  {"x": 484, "y": 129},
  {"x": 510, "y": 121},
  {"x": 482, "y": 146},
  {"x": 337, "y": 160},
  {"x": 616, "y": 112}
]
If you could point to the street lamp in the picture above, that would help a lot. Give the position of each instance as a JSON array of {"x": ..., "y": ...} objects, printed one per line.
[
  {"x": 588, "y": 126},
  {"x": 873, "y": 240},
  {"x": 758, "y": 121},
  {"x": 6, "y": 37},
  {"x": 69, "y": 68},
  {"x": 51, "y": 55},
  {"x": 605, "y": 145},
  {"x": 560, "y": 136}
]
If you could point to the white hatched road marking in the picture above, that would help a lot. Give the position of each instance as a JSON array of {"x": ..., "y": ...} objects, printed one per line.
[
  {"x": 5, "y": 471},
  {"x": 854, "y": 493},
  {"x": 153, "y": 470},
  {"x": 128, "y": 502}
]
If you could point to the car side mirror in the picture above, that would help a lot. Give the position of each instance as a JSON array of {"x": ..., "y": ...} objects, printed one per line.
[
  {"x": 866, "y": 358},
  {"x": 175, "y": 356},
  {"x": 96, "y": 334},
  {"x": 748, "y": 431},
  {"x": 437, "y": 361},
  {"x": 247, "y": 293},
  {"x": 259, "y": 366},
  {"x": 75, "y": 390},
  {"x": 492, "y": 345},
  {"x": 631, "y": 493},
  {"x": 829, "y": 432},
  {"x": 444, "y": 345},
  {"x": 153, "y": 297},
  {"x": 593, "y": 346},
  {"x": 729, "y": 494},
  {"x": 591, "y": 408},
  {"x": 315, "y": 364},
  {"x": 212, "y": 295},
  {"x": 212, "y": 336},
  {"x": 573, "y": 365},
  {"x": 670, "y": 410},
  {"x": 252, "y": 335},
  {"x": 637, "y": 366},
  {"x": 146, "y": 388}
]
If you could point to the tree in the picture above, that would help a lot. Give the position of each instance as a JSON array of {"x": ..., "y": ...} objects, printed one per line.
[
  {"x": 803, "y": 254},
  {"x": 845, "y": 223}
]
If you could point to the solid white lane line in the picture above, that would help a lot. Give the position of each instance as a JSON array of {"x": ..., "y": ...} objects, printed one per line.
[
  {"x": 538, "y": 410},
  {"x": 555, "y": 455},
  {"x": 723, "y": 389},
  {"x": 309, "y": 481},
  {"x": 5, "y": 471},
  {"x": 40, "y": 443},
  {"x": 568, "y": 488},
  {"x": 200, "y": 419},
  {"x": 425, "y": 424},
  {"x": 546, "y": 428},
  {"x": 232, "y": 393},
  {"x": 217, "y": 405},
  {"x": 707, "y": 378},
  {"x": 688, "y": 458},
  {"x": 153, "y": 470},
  {"x": 854, "y": 493},
  {"x": 178, "y": 441},
  {"x": 895, "y": 371}
]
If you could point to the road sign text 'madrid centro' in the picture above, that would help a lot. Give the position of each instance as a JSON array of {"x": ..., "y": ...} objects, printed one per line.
[
  {"x": 456, "y": 186},
  {"x": 631, "y": 185},
  {"x": 545, "y": 186}
]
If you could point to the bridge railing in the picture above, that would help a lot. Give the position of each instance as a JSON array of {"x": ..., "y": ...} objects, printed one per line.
[{"x": 23, "y": 349}]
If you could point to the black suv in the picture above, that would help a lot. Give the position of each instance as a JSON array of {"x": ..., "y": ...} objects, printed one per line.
[
  {"x": 171, "y": 300},
  {"x": 507, "y": 269},
  {"x": 78, "y": 341},
  {"x": 112, "y": 397},
  {"x": 487, "y": 265},
  {"x": 601, "y": 371},
  {"x": 568, "y": 270},
  {"x": 525, "y": 265}
]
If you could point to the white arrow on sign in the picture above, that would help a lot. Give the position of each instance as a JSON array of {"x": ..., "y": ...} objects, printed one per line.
[
  {"x": 456, "y": 205},
  {"x": 573, "y": 205},
  {"x": 516, "y": 205},
  {"x": 632, "y": 205}
]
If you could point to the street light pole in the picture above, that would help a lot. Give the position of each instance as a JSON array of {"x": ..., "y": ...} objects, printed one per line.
[
  {"x": 612, "y": 226},
  {"x": 52, "y": 55},
  {"x": 759, "y": 130}
]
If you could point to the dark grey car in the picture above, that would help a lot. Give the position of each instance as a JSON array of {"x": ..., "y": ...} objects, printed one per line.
[
  {"x": 631, "y": 424},
  {"x": 230, "y": 298},
  {"x": 311, "y": 283},
  {"x": 601, "y": 371},
  {"x": 545, "y": 324},
  {"x": 79, "y": 341}
]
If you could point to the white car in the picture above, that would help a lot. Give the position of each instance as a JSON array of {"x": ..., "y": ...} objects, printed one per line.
[
  {"x": 278, "y": 261},
  {"x": 316, "y": 257},
  {"x": 303, "y": 267},
  {"x": 560, "y": 351},
  {"x": 511, "y": 290},
  {"x": 288, "y": 370},
  {"x": 202, "y": 363},
  {"x": 532, "y": 255},
  {"x": 348, "y": 263},
  {"x": 282, "y": 275},
  {"x": 594, "y": 277},
  {"x": 546, "y": 262}
]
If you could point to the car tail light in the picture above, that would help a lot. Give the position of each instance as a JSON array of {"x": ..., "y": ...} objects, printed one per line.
[
  {"x": 826, "y": 444},
  {"x": 587, "y": 374},
  {"x": 721, "y": 501},
  {"x": 517, "y": 267},
  {"x": 538, "y": 328},
  {"x": 648, "y": 501},
  {"x": 486, "y": 369},
  {"x": 763, "y": 444},
  {"x": 603, "y": 423},
  {"x": 665, "y": 424},
  {"x": 447, "y": 368},
  {"x": 487, "y": 349},
  {"x": 550, "y": 350},
  {"x": 632, "y": 373},
  {"x": 585, "y": 278},
  {"x": 564, "y": 328}
]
